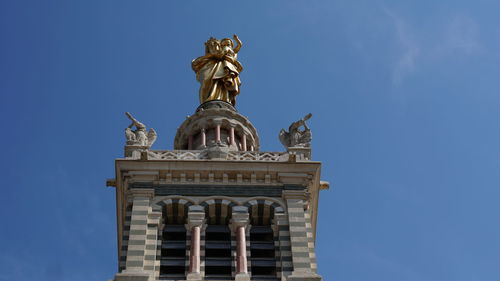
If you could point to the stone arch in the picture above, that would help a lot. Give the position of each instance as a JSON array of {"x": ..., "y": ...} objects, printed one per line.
[
  {"x": 218, "y": 209},
  {"x": 262, "y": 210},
  {"x": 174, "y": 208}
]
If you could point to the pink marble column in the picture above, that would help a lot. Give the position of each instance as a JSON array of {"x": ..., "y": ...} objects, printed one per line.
[
  {"x": 203, "y": 137},
  {"x": 195, "y": 222},
  {"x": 217, "y": 133},
  {"x": 190, "y": 142},
  {"x": 241, "y": 250},
  {"x": 233, "y": 140},
  {"x": 244, "y": 142},
  {"x": 239, "y": 226},
  {"x": 194, "y": 259}
]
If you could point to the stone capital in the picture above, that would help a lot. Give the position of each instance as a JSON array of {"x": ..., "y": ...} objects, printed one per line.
[
  {"x": 196, "y": 217},
  {"x": 239, "y": 217}
]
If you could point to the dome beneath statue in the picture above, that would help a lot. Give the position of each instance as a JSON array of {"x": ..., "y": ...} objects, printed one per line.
[{"x": 217, "y": 123}]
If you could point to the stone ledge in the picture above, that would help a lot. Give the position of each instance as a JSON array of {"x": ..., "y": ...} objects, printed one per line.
[
  {"x": 304, "y": 276},
  {"x": 132, "y": 276}
]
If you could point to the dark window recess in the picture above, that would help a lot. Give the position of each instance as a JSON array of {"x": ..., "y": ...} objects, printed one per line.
[
  {"x": 173, "y": 253},
  {"x": 217, "y": 252},
  {"x": 262, "y": 253}
]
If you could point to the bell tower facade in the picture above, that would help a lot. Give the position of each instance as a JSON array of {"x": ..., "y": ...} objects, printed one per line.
[{"x": 216, "y": 207}]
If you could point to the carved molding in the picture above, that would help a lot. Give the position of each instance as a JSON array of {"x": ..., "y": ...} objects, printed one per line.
[{"x": 202, "y": 155}]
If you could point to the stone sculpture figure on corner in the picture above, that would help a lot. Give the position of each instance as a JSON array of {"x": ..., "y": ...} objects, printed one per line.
[
  {"x": 139, "y": 136},
  {"x": 218, "y": 70},
  {"x": 295, "y": 137}
]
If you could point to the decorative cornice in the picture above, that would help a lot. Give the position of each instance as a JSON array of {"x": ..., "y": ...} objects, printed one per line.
[
  {"x": 142, "y": 192},
  {"x": 202, "y": 155}
]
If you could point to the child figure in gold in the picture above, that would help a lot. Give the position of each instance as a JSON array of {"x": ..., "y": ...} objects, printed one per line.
[{"x": 218, "y": 70}]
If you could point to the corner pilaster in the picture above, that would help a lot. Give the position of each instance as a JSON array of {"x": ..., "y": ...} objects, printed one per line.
[
  {"x": 136, "y": 248},
  {"x": 299, "y": 237}
]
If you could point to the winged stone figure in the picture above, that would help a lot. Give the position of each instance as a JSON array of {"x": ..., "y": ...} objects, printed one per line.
[
  {"x": 295, "y": 137},
  {"x": 139, "y": 136}
]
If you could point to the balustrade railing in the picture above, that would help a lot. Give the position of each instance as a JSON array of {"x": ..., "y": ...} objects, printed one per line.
[{"x": 202, "y": 155}]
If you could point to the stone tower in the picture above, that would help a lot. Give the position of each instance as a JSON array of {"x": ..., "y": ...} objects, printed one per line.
[{"x": 216, "y": 207}]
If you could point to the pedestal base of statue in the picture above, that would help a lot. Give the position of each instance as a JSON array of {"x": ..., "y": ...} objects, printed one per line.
[
  {"x": 194, "y": 276},
  {"x": 132, "y": 276},
  {"x": 242, "y": 277},
  {"x": 215, "y": 104},
  {"x": 304, "y": 276},
  {"x": 301, "y": 153},
  {"x": 134, "y": 151}
]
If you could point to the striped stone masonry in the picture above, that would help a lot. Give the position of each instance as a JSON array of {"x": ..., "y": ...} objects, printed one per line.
[
  {"x": 283, "y": 249},
  {"x": 288, "y": 217},
  {"x": 216, "y": 207},
  {"x": 150, "y": 262},
  {"x": 136, "y": 259},
  {"x": 310, "y": 241},
  {"x": 304, "y": 266}
]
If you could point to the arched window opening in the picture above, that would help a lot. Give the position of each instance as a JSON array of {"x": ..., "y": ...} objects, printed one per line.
[
  {"x": 263, "y": 255},
  {"x": 262, "y": 250},
  {"x": 173, "y": 246},
  {"x": 218, "y": 252}
]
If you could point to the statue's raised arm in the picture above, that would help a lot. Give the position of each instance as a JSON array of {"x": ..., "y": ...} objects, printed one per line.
[{"x": 238, "y": 42}]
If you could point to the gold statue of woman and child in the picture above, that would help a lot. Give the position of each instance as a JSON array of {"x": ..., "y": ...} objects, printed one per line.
[{"x": 218, "y": 71}]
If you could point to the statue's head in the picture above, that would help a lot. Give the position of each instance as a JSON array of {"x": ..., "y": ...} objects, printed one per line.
[
  {"x": 226, "y": 42},
  {"x": 212, "y": 46}
]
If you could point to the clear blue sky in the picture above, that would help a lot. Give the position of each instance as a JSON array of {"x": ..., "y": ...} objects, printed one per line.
[{"x": 405, "y": 98}]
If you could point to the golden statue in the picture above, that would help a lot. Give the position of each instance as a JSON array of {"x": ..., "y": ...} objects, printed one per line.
[{"x": 218, "y": 70}]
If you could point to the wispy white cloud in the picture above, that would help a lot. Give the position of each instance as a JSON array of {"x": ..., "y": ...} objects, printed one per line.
[
  {"x": 457, "y": 37},
  {"x": 462, "y": 34},
  {"x": 406, "y": 60}
]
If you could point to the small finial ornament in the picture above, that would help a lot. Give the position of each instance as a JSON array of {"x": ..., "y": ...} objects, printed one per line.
[
  {"x": 295, "y": 137},
  {"x": 139, "y": 136},
  {"x": 218, "y": 71}
]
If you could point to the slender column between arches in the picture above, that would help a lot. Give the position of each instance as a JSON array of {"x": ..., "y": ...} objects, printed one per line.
[
  {"x": 194, "y": 259},
  {"x": 196, "y": 219},
  {"x": 241, "y": 250},
  {"x": 239, "y": 224}
]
